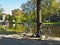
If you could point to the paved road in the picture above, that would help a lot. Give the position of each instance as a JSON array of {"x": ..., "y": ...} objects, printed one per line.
[{"x": 23, "y": 41}]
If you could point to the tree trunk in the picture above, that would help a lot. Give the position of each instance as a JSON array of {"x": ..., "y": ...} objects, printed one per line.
[{"x": 38, "y": 16}]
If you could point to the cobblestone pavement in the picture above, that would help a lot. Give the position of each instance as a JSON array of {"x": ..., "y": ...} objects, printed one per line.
[{"x": 23, "y": 41}]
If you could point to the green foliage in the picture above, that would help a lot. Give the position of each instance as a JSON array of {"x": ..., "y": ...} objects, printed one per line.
[
  {"x": 1, "y": 9},
  {"x": 29, "y": 15},
  {"x": 1, "y": 12},
  {"x": 47, "y": 23},
  {"x": 29, "y": 6},
  {"x": 8, "y": 31},
  {"x": 17, "y": 15},
  {"x": 49, "y": 7},
  {"x": 2, "y": 27},
  {"x": 8, "y": 17},
  {"x": 29, "y": 10}
]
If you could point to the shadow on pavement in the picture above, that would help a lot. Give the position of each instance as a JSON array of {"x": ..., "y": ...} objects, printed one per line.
[{"x": 24, "y": 41}]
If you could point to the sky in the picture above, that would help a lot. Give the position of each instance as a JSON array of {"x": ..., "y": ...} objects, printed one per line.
[{"x": 9, "y": 5}]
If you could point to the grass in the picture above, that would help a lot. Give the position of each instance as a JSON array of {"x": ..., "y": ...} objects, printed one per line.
[{"x": 51, "y": 22}]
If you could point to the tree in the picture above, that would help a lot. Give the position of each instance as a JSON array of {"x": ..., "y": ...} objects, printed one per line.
[
  {"x": 10, "y": 19},
  {"x": 49, "y": 7},
  {"x": 17, "y": 16},
  {"x": 29, "y": 10},
  {"x": 1, "y": 9},
  {"x": 38, "y": 17},
  {"x": 29, "y": 6}
]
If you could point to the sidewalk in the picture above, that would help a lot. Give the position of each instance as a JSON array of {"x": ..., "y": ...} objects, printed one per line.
[
  {"x": 11, "y": 36},
  {"x": 54, "y": 38},
  {"x": 19, "y": 37}
]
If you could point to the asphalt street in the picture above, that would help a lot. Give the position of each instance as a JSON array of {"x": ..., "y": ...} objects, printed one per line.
[{"x": 24, "y": 41}]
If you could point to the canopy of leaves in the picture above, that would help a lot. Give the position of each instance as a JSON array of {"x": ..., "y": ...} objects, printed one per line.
[
  {"x": 29, "y": 10},
  {"x": 49, "y": 7},
  {"x": 1, "y": 11},
  {"x": 29, "y": 6},
  {"x": 17, "y": 15}
]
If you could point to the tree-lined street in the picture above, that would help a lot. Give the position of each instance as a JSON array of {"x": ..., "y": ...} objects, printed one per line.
[{"x": 35, "y": 22}]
